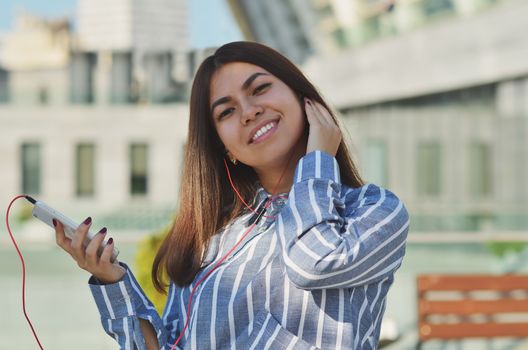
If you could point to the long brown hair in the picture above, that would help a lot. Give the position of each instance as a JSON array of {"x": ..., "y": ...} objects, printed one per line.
[{"x": 207, "y": 202}]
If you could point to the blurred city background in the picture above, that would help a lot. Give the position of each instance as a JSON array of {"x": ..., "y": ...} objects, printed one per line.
[{"x": 93, "y": 120}]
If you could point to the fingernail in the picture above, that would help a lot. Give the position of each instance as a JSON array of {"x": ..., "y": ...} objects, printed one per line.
[
  {"x": 110, "y": 241},
  {"x": 103, "y": 231},
  {"x": 88, "y": 221},
  {"x": 54, "y": 222}
]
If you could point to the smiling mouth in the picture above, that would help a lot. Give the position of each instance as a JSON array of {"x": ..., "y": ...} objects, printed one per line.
[{"x": 264, "y": 132}]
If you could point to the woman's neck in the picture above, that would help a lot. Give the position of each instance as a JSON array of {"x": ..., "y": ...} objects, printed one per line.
[{"x": 279, "y": 178}]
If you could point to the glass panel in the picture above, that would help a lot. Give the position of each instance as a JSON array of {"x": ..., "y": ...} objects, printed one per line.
[
  {"x": 85, "y": 170},
  {"x": 479, "y": 180},
  {"x": 138, "y": 169},
  {"x": 429, "y": 169},
  {"x": 30, "y": 164},
  {"x": 436, "y": 7},
  {"x": 43, "y": 95},
  {"x": 376, "y": 162}
]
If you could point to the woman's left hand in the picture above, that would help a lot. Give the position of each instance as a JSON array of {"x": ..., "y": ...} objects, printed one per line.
[{"x": 324, "y": 133}]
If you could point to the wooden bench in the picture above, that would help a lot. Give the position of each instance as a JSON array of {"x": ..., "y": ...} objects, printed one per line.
[{"x": 455, "y": 307}]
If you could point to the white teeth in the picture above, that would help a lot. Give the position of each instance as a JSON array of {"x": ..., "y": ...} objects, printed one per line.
[{"x": 263, "y": 130}]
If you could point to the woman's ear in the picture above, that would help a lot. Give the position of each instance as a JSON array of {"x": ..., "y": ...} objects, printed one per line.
[{"x": 302, "y": 103}]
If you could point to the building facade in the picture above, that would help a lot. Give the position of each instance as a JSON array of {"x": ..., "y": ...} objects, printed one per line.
[
  {"x": 126, "y": 51},
  {"x": 300, "y": 29},
  {"x": 440, "y": 115},
  {"x": 36, "y": 56},
  {"x": 104, "y": 102}
]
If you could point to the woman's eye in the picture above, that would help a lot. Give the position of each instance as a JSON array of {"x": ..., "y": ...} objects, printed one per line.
[
  {"x": 225, "y": 113},
  {"x": 261, "y": 88}
]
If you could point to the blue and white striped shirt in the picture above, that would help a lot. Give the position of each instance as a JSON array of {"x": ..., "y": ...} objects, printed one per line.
[{"x": 315, "y": 276}]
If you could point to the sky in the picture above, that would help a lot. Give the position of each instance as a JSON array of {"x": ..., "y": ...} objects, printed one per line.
[{"x": 211, "y": 22}]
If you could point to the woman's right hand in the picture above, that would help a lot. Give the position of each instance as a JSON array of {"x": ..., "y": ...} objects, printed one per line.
[
  {"x": 324, "y": 134},
  {"x": 86, "y": 257}
]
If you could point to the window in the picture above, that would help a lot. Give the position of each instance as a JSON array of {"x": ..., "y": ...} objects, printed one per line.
[
  {"x": 436, "y": 7},
  {"x": 30, "y": 163},
  {"x": 376, "y": 163},
  {"x": 340, "y": 37},
  {"x": 479, "y": 179},
  {"x": 138, "y": 169},
  {"x": 43, "y": 95},
  {"x": 4, "y": 86},
  {"x": 121, "y": 81},
  {"x": 429, "y": 169},
  {"x": 85, "y": 169},
  {"x": 82, "y": 74}
]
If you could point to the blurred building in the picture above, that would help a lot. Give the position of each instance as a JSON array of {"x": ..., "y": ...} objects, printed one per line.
[
  {"x": 126, "y": 51},
  {"x": 437, "y": 111},
  {"x": 440, "y": 115},
  {"x": 137, "y": 25},
  {"x": 92, "y": 121},
  {"x": 130, "y": 52},
  {"x": 434, "y": 94},
  {"x": 3, "y": 73},
  {"x": 300, "y": 29},
  {"x": 36, "y": 55},
  {"x": 3, "y": 85}
]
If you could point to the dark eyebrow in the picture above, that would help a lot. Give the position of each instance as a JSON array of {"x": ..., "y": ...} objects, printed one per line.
[{"x": 245, "y": 86}]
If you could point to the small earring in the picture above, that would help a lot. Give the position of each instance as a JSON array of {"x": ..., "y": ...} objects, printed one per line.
[{"x": 232, "y": 159}]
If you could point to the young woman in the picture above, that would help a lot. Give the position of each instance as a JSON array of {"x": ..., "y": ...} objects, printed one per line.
[{"x": 277, "y": 239}]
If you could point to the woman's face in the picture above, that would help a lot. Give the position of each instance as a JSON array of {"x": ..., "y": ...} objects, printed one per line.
[{"x": 257, "y": 116}]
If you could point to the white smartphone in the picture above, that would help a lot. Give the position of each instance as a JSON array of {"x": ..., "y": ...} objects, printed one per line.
[{"x": 46, "y": 214}]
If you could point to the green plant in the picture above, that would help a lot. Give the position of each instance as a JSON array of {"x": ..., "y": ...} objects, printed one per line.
[
  {"x": 500, "y": 249},
  {"x": 147, "y": 249}
]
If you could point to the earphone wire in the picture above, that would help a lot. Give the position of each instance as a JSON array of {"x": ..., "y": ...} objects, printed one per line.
[
  {"x": 23, "y": 270},
  {"x": 266, "y": 206},
  {"x": 242, "y": 199}
]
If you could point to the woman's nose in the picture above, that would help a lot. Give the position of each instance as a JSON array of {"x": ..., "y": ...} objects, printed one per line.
[{"x": 250, "y": 112}]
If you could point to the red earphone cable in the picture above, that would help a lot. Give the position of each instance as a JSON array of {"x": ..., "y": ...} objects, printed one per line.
[
  {"x": 266, "y": 206},
  {"x": 201, "y": 280},
  {"x": 242, "y": 199},
  {"x": 23, "y": 271}
]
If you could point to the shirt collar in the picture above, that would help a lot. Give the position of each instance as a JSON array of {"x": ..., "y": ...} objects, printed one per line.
[
  {"x": 277, "y": 203},
  {"x": 263, "y": 224}
]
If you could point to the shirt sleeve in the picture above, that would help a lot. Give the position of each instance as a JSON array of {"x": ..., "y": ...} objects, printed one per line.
[
  {"x": 335, "y": 240},
  {"x": 121, "y": 306}
]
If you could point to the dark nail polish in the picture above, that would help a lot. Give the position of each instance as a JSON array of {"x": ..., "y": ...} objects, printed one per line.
[
  {"x": 54, "y": 222},
  {"x": 110, "y": 241},
  {"x": 88, "y": 221},
  {"x": 103, "y": 231}
]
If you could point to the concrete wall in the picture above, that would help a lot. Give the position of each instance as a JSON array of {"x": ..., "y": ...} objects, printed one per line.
[
  {"x": 423, "y": 86},
  {"x": 151, "y": 25},
  {"x": 33, "y": 87},
  {"x": 111, "y": 130},
  {"x": 487, "y": 47}
]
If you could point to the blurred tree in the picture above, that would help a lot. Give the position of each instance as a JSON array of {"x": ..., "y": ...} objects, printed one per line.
[
  {"x": 147, "y": 249},
  {"x": 500, "y": 249}
]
